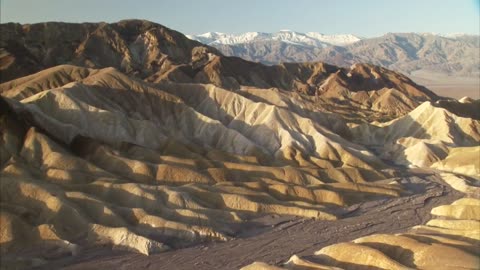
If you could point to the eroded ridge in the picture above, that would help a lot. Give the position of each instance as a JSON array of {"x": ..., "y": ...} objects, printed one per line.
[{"x": 94, "y": 157}]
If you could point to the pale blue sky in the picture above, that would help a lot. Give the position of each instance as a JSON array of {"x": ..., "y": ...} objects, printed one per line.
[{"x": 362, "y": 17}]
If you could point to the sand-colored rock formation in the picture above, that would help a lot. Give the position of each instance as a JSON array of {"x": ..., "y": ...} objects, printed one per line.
[
  {"x": 434, "y": 136},
  {"x": 429, "y": 136},
  {"x": 93, "y": 157}
]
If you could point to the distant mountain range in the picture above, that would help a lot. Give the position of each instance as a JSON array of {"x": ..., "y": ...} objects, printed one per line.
[{"x": 456, "y": 54}]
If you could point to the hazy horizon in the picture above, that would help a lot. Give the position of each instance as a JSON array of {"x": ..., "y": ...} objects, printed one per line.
[{"x": 365, "y": 19}]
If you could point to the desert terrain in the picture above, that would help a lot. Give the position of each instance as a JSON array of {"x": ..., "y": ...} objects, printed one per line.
[{"x": 128, "y": 145}]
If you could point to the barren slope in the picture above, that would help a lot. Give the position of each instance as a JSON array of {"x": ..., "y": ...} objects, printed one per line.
[{"x": 92, "y": 157}]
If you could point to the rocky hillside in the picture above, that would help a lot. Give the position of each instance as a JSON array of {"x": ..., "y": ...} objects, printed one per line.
[
  {"x": 136, "y": 47},
  {"x": 93, "y": 156}
]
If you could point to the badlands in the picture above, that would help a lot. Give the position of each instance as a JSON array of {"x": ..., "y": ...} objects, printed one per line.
[{"x": 128, "y": 145}]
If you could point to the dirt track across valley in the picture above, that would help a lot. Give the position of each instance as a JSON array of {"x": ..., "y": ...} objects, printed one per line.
[{"x": 286, "y": 236}]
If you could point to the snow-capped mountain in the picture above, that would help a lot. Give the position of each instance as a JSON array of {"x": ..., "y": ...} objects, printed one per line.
[
  {"x": 207, "y": 38},
  {"x": 338, "y": 40},
  {"x": 306, "y": 39}
]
